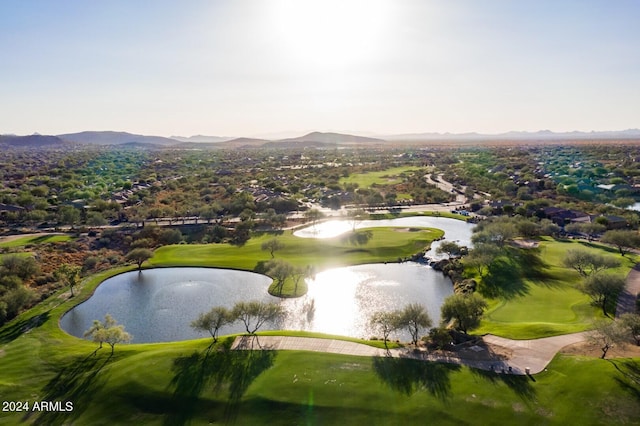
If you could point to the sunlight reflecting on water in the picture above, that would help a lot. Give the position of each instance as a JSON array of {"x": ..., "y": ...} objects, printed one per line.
[
  {"x": 328, "y": 229},
  {"x": 158, "y": 305},
  {"x": 342, "y": 300}
]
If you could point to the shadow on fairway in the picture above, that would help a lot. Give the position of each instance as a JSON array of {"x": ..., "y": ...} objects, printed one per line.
[
  {"x": 77, "y": 382},
  {"x": 520, "y": 385},
  {"x": 630, "y": 381},
  {"x": 505, "y": 277},
  {"x": 220, "y": 368},
  {"x": 19, "y": 327},
  {"x": 504, "y": 280},
  {"x": 358, "y": 238},
  {"x": 407, "y": 376}
]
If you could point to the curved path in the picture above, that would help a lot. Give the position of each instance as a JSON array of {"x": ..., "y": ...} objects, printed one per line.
[
  {"x": 627, "y": 299},
  {"x": 532, "y": 354}
]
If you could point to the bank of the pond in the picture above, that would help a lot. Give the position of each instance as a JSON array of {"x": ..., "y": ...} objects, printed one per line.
[{"x": 158, "y": 305}]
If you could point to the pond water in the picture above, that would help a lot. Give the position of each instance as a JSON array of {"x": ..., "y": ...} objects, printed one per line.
[{"x": 158, "y": 305}]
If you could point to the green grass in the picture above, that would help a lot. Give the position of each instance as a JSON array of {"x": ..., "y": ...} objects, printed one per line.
[
  {"x": 35, "y": 239},
  {"x": 549, "y": 305},
  {"x": 184, "y": 383},
  {"x": 385, "y": 177},
  {"x": 386, "y": 244},
  {"x": 19, "y": 254},
  {"x": 180, "y": 383}
]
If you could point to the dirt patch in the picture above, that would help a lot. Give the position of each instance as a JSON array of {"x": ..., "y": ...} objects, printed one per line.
[
  {"x": 593, "y": 350},
  {"x": 525, "y": 243}
]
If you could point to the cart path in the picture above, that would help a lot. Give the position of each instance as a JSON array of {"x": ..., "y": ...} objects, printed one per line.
[
  {"x": 532, "y": 354},
  {"x": 627, "y": 299}
]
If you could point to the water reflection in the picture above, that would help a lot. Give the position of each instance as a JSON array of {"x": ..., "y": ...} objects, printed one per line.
[
  {"x": 158, "y": 305},
  {"x": 344, "y": 299}
]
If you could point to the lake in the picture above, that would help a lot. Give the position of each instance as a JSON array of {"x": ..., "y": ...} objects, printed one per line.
[{"x": 158, "y": 305}]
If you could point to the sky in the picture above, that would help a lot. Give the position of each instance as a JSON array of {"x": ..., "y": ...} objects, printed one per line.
[{"x": 264, "y": 67}]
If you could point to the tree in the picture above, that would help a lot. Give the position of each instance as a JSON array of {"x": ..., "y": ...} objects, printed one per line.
[
  {"x": 450, "y": 248},
  {"x": 463, "y": 310},
  {"x": 481, "y": 257},
  {"x": 23, "y": 267},
  {"x": 255, "y": 314},
  {"x": 606, "y": 334},
  {"x": 96, "y": 219},
  {"x": 68, "y": 215},
  {"x": 602, "y": 288},
  {"x": 586, "y": 262},
  {"x": 139, "y": 256},
  {"x": 385, "y": 323},
  {"x": 313, "y": 215},
  {"x": 414, "y": 317},
  {"x": 272, "y": 246},
  {"x": 631, "y": 324},
  {"x": 95, "y": 331},
  {"x": 354, "y": 216},
  {"x": 589, "y": 229},
  {"x": 69, "y": 275},
  {"x": 109, "y": 332},
  {"x": 498, "y": 233},
  {"x": 213, "y": 320},
  {"x": 300, "y": 273},
  {"x": 13, "y": 296},
  {"x": 622, "y": 239},
  {"x": 279, "y": 270},
  {"x": 169, "y": 236}
]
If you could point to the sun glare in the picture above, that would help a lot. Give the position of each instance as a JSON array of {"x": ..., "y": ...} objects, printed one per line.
[{"x": 330, "y": 33}]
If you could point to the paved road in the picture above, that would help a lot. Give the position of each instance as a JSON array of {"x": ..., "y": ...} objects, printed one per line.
[{"x": 532, "y": 354}]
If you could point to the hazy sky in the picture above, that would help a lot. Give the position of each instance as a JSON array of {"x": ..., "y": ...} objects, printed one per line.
[{"x": 245, "y": 68}]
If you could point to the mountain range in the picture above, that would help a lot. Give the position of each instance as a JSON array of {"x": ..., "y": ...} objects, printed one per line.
[{"x": 313, "y": 139}]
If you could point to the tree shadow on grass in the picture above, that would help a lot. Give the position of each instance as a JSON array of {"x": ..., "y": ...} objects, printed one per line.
[
  {"x": 77, "y": 382},
  {"x": 220, "y": 367},
  {"x": 358, "y": 238},
  {"x": 506, "y": 275},
  {"x": 503, "y": 280},
  {"x": 630, "y": 381},
  {"x": 407, "y": 376},
  {"x": 18, "y": 327},
  {"x": 520, "y": 385}
]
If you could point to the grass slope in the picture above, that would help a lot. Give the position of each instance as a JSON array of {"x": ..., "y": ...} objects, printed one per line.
[
  {"x": 180, "y": 383},
  {"x": 384, "y": 245},
  {"x": 35, "y": 239},
  {"x": 186, "y": 383},
  {"x": 549, "y": 304}
]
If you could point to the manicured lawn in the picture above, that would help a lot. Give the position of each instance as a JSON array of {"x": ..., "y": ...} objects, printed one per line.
[
  {"x": 180, "y": 383},
  {"x": 35, "y": 239},
  {"x": 184, "y": 383},
  {"x": 384, "y": 177},
  {"x": 549, "y": 305}
]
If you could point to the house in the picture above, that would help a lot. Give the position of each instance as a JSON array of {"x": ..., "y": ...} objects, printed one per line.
[{"x": 561, "y": 216}]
